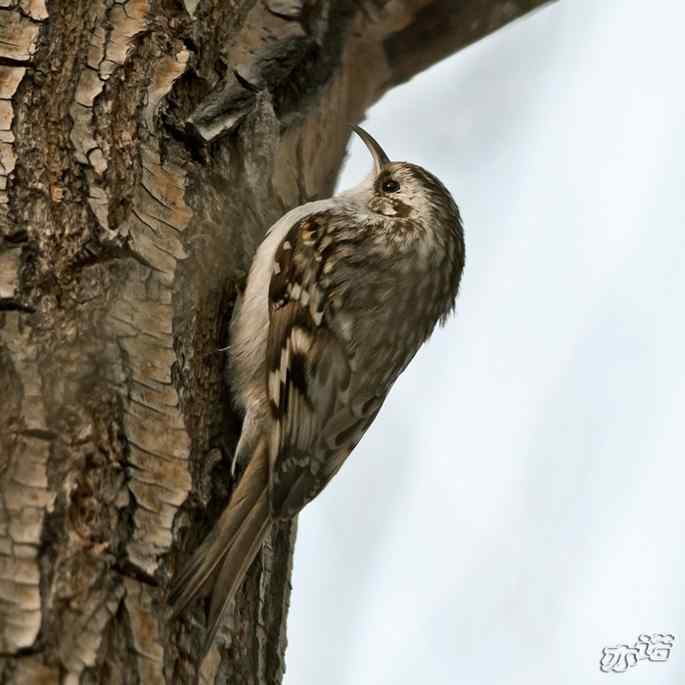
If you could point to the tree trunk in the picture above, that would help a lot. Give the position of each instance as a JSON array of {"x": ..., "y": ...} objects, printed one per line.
[{"x": 145, "y": 147}]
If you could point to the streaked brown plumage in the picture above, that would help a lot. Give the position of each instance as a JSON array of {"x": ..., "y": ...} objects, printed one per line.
[{"x": 340, "y": 296}]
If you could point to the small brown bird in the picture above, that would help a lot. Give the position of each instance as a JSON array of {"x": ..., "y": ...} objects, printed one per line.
[{"x": 340, "y": 296}]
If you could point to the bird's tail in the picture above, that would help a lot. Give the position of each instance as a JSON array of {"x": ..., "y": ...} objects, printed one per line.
[{"x": 223, "y": 559}]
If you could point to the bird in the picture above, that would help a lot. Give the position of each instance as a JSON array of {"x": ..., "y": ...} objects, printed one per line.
[{"x": 340, "y": 296}]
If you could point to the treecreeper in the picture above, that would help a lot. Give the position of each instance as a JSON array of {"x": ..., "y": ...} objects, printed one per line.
[{"x": 340, "y": 296}]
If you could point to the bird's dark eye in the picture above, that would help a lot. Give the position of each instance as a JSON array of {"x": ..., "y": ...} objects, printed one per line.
[{"x": 390, "y": 186}]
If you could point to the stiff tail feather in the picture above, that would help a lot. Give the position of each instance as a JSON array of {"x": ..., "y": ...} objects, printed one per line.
[{"x": 223, "y": 559}]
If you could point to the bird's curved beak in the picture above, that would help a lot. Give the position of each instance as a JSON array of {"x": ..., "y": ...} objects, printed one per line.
[{"x": 380, "y": 159}]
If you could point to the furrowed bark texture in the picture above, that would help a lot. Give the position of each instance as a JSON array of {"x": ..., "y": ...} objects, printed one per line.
[{"x": 145, "y": 147}]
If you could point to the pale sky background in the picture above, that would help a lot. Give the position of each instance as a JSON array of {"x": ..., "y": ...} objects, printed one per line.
[{"x": 519, "y": 503}]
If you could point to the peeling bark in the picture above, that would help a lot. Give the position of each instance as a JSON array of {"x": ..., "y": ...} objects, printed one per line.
[{"x": 145, "y": 147}]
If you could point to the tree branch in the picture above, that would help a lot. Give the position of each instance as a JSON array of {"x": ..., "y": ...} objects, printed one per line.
[{"x": 439, "y": 28}]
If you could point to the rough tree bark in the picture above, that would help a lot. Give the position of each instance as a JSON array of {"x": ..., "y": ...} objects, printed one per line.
[{"x": 145, "y": 146}]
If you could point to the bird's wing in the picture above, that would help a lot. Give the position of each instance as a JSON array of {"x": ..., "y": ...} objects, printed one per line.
[{"x": 309, "y": 374}]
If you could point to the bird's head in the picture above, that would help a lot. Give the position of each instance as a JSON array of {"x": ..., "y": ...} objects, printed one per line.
[{"x": 401, "y": 190}]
